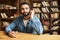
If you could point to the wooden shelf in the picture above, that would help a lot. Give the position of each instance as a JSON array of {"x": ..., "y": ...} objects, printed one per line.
[
  {"x": 7, "y": 19},
  {"x": 50, "y": 20},
  {"x": 7, "y": 9},
  {"x": 56, "y": 24},
  {"x": 9, "y": 2}
]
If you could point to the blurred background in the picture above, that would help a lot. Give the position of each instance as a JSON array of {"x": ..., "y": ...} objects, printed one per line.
[{"x": 48, "y": 11}]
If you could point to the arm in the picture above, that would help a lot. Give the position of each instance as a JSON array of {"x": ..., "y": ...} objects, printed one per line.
[
  {"x": 10, "y": 27},
  {"x": 37, "y": 26}
]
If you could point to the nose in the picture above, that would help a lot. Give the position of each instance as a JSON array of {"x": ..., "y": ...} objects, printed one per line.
[{"x": 24, "y": 10}]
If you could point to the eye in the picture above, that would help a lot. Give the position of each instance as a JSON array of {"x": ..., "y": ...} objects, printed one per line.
[
  {"x": 22, "y": 8},
  {"x": 26, "y": 8}
]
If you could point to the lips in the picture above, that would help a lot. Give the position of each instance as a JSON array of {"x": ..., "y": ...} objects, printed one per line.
[{"x": 26, "y": 14}]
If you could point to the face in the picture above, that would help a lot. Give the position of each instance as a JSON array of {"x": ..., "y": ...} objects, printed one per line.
[{"x": 25, "y": 9}]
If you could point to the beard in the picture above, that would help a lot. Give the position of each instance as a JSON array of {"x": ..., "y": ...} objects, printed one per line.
[{"x": 26, "y": 13}]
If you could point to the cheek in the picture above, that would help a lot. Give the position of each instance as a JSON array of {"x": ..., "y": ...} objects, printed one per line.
[
  {"x": 28, "y": 10},
  {"x": 22, "y": 11}
]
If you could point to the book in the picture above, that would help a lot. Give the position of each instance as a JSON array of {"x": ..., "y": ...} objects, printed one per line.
[
  {"x": 36, "y": 4},
  {"x": 46, "y": 27},
  {"x": 45, "y": 16},
  {"x": 5, "y": 24},
  {"x": 55, "y": 15},
  {"x": 1, "y": 6},
  {"x": 9, "y": 6},
  {"x": 12, "y": 16},
  {"x": 56, "y": 22},
  {"x": 54, "y": 27},
  {"x": 3, "y": 15},
  {"x": 44, "y": 3},
  {"x": 55, "y": 33},
  {"x": 45, "y": 9},
  {"x": 14, "y": 8},
  {"x": 37, "y": 15},
  {"x": 54, "y": 3},
  {"x": 55, "y": 9},
  {"x": 45, "y": 22},
  {"x": 37, "y": 10}
]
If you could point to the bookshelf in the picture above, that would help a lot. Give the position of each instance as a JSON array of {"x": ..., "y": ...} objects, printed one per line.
[
  {"x": 48, "y": 11},
  {"x": 8, "y": 12}
]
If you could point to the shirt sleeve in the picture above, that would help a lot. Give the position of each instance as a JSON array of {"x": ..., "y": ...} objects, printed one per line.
[
  {"x": 37, "y": 26},
  {"x": 10, "y": 26}
]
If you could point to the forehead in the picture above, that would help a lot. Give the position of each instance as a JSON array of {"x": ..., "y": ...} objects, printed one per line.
[{"x": 24, "y": 6}]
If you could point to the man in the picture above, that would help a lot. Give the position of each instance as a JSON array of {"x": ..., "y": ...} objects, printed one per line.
[{"x": 26, "y": 23}]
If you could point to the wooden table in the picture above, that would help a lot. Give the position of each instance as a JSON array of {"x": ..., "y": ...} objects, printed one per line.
[{"x": 26, "y": 36}]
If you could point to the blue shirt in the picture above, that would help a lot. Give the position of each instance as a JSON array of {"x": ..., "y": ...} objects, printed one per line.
[{"x": 34, "y": 26}]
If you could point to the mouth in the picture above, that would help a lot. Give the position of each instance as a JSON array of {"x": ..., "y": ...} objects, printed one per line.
[{"x": 26, "y": 14}]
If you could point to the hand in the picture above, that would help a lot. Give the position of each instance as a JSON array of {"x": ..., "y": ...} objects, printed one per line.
[
  {"x": 32, "y": 14},
  {"x": 12, "y": 34}
]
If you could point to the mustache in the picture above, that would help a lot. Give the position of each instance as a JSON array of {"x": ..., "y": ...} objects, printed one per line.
[{"x": 26, "y": 14}]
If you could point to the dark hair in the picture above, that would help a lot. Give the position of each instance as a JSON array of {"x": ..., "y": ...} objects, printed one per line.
[{"x": 26, "y": 4}]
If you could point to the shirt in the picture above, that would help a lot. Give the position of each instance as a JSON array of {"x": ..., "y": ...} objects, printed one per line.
[
  {"x": 25, "y": 22},
  {"x": 34, "y": 26}
]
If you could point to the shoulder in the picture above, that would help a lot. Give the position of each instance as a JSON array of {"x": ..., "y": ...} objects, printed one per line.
[
  {"x": 18, "y": 18},
  {"x": 35, "y": 18}
]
